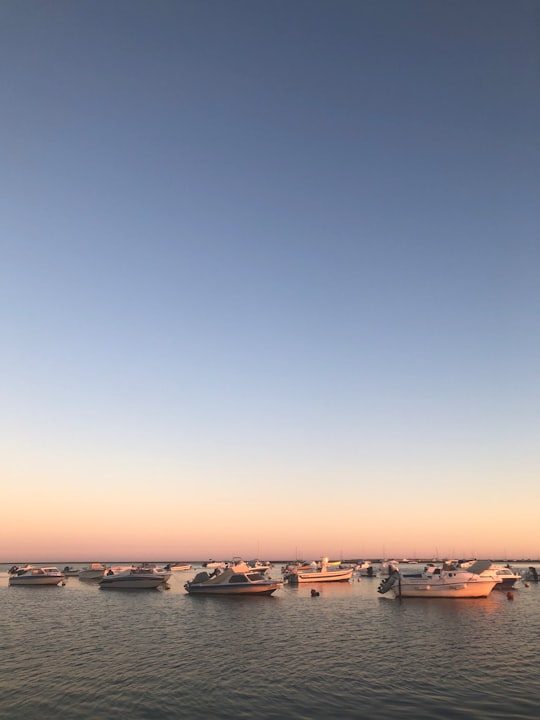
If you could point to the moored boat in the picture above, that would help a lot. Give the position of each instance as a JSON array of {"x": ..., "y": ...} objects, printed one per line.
[
  {"x": 530, "y": 575},
  {"x": 94, "y": 571},
  {"x": 506, "y": 576},
  {"x": 232, "y": 582},
  {"x": 436, "y": 582},
  {"x": 324, "y": 571},
  {"x": 131, "y": 579},
  {"x": 364, "y": 569},
  {"x": 164, "y": 572},
  {"x": 70, "y": 571},
  {"x": 34, "y": 576}
]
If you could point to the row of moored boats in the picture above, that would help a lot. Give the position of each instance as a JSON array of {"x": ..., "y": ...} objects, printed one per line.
[
  {"x": 121, "y": 576},
  {"x": 452, "y": 579}
]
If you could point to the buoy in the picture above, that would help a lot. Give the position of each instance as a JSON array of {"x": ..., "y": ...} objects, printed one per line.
[{"x": 510, "y": 595}]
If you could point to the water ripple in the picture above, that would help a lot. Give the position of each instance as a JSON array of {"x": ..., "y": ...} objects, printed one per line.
[{"x": 349, "y": 653}]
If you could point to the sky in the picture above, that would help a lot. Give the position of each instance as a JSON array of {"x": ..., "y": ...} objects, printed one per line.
[{"x": 269, "y": 279}]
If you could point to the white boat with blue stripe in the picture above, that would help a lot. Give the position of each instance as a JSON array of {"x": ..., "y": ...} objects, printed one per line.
[
  {"x": 37, "y": 576},
  {"x": 232, "y": 581}
]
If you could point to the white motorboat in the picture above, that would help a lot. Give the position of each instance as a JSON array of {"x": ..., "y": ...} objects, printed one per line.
[
  {"x": 507, "y": 577},
  {"x": 260, "y": 565},
  {"x": 365, "y": 569},
  {"x": 251, "y": 566},
  {"x": 37, "y": 576},
  {"x": 165, "y": 572},
  {"x": 232, "y": 582},
  {"x": 181, "y": 567},
  {"x": 70, "y": 571},
  {"x": 132, "y": 578},
  {"x": 436, "y": 582},
  {"x": 94, "y": 571},
  {"x": 325, "y": 571},
  {"x": 530, "y": 575}
]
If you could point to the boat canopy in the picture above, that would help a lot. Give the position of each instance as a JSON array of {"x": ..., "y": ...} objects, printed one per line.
[{"x": 479, "y": 566}]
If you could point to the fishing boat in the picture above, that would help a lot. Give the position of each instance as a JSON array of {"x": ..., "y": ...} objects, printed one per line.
[
  {"x": 325, "y": 571},
  {"x": 231, "y": 582},
  {"x": 37, "y": 576},
  {"x": 131, "y": 578},
  {"x": 437, "y": 582}
]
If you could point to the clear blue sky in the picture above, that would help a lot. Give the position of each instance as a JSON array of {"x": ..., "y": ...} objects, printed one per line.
[{"x": 274, "y": 261}]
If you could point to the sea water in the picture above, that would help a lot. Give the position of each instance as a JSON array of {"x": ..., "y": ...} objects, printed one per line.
[{"x": 82, "y": 653}]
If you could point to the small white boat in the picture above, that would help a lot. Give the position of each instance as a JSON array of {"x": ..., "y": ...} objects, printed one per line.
[
  {"x": 232, "y": 582},
  {"x": 325, "y": 571},
  {"x": 436, "y": 582},
  {"x": 260, "y": 565},
  {"x": 70, "y": 571},
  {"x": 365, "y": 569},
  {"x": 94, "y": 571},
  {"x": 37, "y": 576},
  {"x": 164, "y": 572},
  {"x": 530, "y": 575},
  {"x": 213, "y": 564},
  {"x": 132, "y": 578},
  {"x": 251, "y": 566},
  {"x": 181, "y": 567}
]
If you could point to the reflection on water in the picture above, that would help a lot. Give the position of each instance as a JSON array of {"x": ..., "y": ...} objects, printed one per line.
[{"x": 349, "y": 653}]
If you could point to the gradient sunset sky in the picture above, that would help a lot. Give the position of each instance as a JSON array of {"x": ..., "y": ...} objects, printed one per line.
[{"x": 270, "y": 279}]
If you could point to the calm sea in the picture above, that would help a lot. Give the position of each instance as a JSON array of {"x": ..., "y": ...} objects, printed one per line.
[{"x": 81, "y": 653}]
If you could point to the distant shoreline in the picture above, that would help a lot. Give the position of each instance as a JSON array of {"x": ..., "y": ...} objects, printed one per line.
[{"x": 416, "y": 561}]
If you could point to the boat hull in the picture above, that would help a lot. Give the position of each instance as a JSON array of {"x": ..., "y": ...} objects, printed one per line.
[
  {"x": 432, "y": 588},
  {"x": 130, "y": 583},
  {"x": 466, "y": 590},
  {"x": 35, "y": 581},
  {"x": 232, "y": 589},
  {"x": 507, "y": 583}
]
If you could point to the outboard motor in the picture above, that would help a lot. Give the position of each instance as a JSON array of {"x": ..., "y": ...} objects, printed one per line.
[{"x": 387, "y": 583}]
